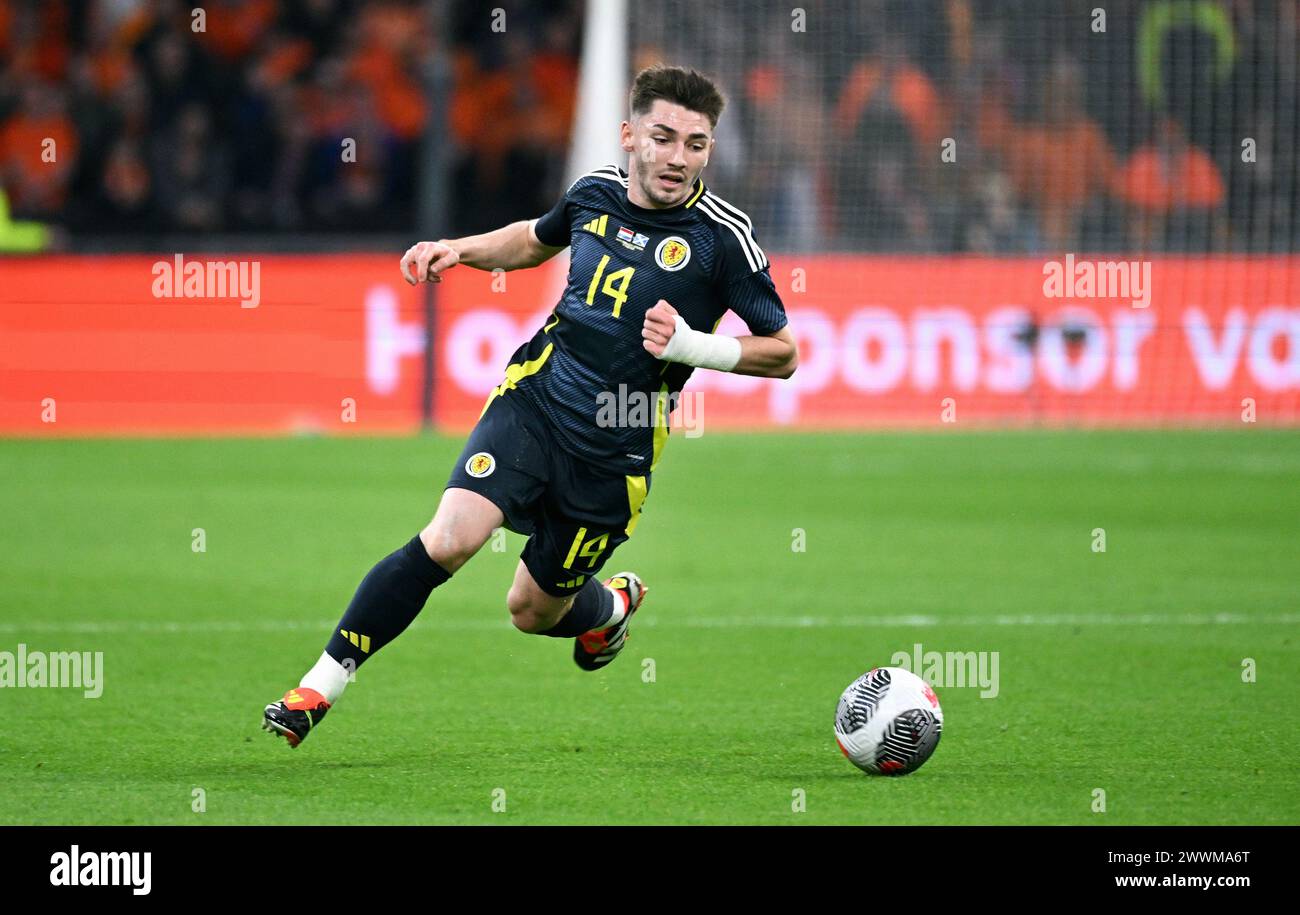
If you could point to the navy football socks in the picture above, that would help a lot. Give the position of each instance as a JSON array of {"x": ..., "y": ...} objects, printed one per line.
[
  {"x": 390, "y": 596},
  {"x": 592, "y": 607}
]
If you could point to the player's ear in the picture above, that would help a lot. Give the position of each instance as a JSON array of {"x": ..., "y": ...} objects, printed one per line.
[{"x": 625, "y": 137}]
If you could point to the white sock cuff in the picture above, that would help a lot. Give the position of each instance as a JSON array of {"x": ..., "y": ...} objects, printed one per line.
[{"x": 328, "y": 677}]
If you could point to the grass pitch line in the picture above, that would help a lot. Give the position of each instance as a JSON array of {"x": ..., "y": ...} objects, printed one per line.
[{"x": 689, "y": 622}]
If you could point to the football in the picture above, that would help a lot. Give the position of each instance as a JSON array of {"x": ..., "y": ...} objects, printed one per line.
[{"x": 888, "y": 721}]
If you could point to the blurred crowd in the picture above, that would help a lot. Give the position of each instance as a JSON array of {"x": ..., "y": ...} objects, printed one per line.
[
  {"x": 985, "y": 126},
  {"x": 291, "y": 116},
  {"x": 1002, "y": 126}
]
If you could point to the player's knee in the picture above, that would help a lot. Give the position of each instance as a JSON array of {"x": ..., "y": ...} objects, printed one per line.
[
  {"x": 528, "y": 613},
  {"x": 523, "y": 612},
  {"x": 447, "y": 546},
  {"x": 531, "y": 623}
]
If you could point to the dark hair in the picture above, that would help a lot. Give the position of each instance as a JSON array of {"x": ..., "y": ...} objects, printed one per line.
[{"x": 688, "y": 88}]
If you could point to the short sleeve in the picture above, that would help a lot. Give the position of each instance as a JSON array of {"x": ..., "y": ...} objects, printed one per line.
[
  {"x": 743, "y": 281},
  {"x": 553, "y": 229},
  {"x": 754, "y": 297}
]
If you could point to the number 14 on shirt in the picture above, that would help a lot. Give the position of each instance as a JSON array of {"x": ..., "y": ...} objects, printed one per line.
[{"x": 615, "y": 284}]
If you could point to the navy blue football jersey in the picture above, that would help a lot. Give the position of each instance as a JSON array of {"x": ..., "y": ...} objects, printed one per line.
[{"x": 700, "y": 256}]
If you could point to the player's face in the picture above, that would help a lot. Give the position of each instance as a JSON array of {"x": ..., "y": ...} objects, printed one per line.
[{"x": 668, "y": 147}]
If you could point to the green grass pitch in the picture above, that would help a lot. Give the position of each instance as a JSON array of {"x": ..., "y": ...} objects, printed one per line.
[{"x": 1120, "y": 671}]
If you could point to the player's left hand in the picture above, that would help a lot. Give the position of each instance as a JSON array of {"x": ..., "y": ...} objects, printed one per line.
[
  {"x": 658, "y": 328},
  {"x": 427, "y": 260}
]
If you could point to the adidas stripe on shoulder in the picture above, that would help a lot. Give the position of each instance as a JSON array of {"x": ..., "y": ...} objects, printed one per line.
[{"x": 737, "y": 222}]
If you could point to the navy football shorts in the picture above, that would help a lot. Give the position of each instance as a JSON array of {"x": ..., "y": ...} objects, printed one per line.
[{"x": 574, "y": 514}]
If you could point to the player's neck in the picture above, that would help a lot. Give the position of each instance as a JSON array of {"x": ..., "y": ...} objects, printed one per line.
[{"x": 637, "y": 197}]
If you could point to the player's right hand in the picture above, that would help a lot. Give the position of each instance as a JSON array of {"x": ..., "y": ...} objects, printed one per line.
[{"x": 427, "y": 260}]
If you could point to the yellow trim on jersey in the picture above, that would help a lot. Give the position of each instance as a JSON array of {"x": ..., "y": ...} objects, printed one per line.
[
  {"x": 637, "y": 486},
  {"x": 555, "y": 319},
  {"x": 661, "y": 425},
  {"x": 515, "y": 372},
  {"x": 636, "y": 491},
  {"x": 696, "y": 196}
]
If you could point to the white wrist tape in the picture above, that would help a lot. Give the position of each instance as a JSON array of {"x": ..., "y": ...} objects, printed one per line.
[{"x": 706, "y": 351}]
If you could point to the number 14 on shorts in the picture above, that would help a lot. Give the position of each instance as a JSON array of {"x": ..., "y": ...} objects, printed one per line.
[{"x": 589, "y": 550}]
